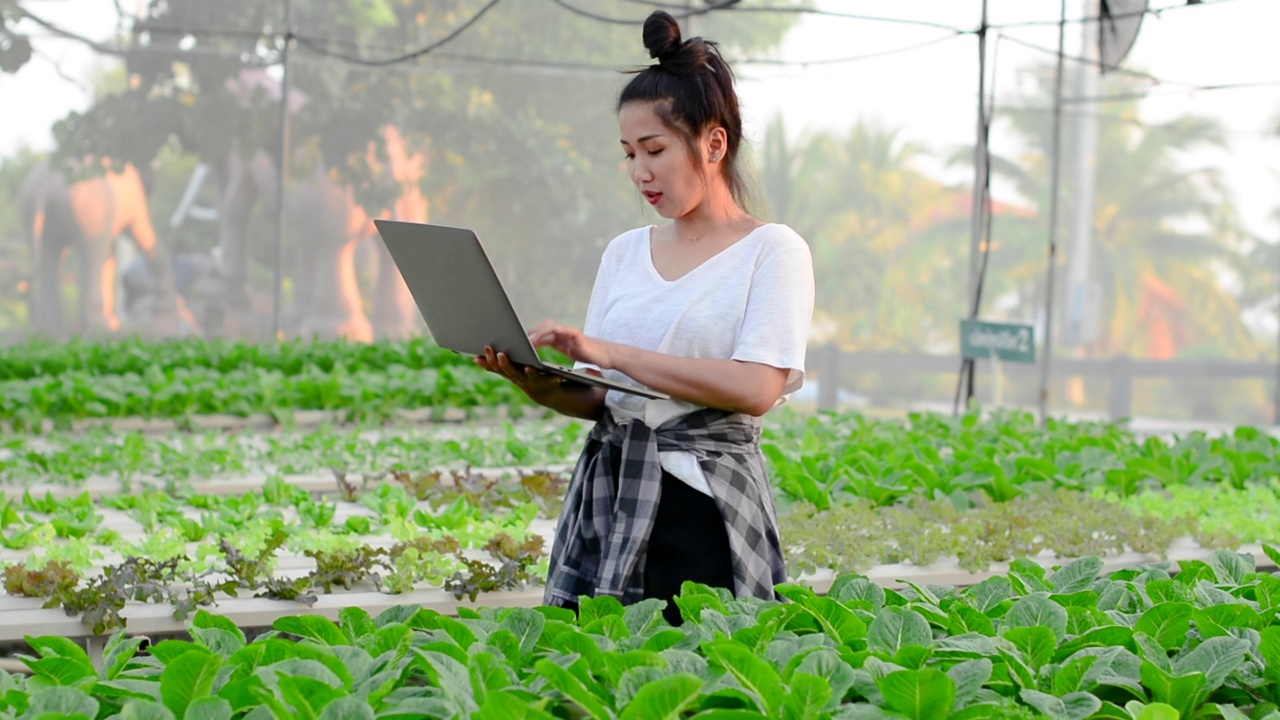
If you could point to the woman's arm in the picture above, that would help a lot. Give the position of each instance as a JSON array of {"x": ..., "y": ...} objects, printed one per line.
[
  {"x": 733, "y": 385},
  {"x": 551, "y": 391}
]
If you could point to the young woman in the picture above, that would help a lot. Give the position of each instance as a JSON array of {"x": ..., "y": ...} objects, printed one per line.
[{"x": 713, "y": 309}]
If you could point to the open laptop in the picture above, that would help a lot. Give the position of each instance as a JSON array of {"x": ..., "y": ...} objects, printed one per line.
[{"x": 459, "y": 295}]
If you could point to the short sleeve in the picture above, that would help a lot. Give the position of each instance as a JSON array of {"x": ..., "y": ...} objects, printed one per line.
[{"x": 775, "y": 326}]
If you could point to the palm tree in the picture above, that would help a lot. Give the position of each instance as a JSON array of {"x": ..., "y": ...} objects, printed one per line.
[
  {"x": 1166, "y": 236},
  {"x": 864, "y": 209}
]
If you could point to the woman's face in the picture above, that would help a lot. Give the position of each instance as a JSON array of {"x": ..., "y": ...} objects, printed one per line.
[{"x": 659, "y": 162}]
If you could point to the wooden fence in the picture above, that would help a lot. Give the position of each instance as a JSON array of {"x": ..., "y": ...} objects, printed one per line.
[{"x": 829, "y": 361}]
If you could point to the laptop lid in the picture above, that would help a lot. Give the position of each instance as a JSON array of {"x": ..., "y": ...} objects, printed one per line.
[{"x": 456, "y": 289}]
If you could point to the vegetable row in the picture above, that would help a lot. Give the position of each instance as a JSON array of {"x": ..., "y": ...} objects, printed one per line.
[
  {"x": 179, "y": 392},
  {"x": 411, "y": 532},
  {"x": 42, "y": 357},
  {"x": 71, "y": 459},
  {"x": 824, "y": 459},
  {"x": 1139, "y": 644},
  {"x": 827, "y": 458}
]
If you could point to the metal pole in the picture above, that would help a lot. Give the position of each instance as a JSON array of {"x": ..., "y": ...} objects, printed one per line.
[
  {"x": 1053, "y": 220},
  {"x": 979, "y": 194},
  {"x": 282, "y": 173}
]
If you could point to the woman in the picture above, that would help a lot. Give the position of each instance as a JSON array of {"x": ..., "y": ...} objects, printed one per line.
[{"x": 712, "y": 309}]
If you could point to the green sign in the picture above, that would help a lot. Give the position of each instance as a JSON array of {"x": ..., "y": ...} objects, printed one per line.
[{"x": 1007, "y": 341}]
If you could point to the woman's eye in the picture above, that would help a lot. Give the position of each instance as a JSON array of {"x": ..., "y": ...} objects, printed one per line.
[{"x": 655, "y": 153}]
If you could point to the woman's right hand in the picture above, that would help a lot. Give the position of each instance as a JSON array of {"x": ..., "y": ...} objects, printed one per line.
[{"x": 540, "y": 387}]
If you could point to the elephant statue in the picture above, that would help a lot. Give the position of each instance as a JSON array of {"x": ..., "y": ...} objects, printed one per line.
[
  {"x": 328, "y": 231},
  {"x": 86, "y": 218}
]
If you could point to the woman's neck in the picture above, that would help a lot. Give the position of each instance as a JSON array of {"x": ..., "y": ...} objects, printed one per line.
[{"x": 717, "y": 213}]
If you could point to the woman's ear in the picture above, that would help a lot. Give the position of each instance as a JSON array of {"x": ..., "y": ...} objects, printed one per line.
[{"x": 717, "y": 144}]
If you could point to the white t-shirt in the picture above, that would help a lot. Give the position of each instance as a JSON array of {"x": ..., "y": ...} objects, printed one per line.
[{"x": 753, "y": 301}]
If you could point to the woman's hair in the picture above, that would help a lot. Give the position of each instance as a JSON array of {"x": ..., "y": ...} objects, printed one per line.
[{"x": 691, "y": 89}]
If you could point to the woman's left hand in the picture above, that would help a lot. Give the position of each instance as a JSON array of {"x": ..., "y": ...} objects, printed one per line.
[{"x": 571, "y": 342}]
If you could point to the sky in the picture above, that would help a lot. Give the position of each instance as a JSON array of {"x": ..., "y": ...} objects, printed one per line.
[{"x": 929, "y": 92}]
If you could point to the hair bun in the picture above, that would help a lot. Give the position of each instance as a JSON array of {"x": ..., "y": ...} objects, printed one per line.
[{"x": 662, "y": 36}]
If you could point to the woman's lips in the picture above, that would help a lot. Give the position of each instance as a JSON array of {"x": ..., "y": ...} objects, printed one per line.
[{"x": 652, "y": 197}]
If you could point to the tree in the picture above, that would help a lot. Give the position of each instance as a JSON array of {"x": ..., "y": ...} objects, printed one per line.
[
  {"x": 515, "y": 115},
  {"x": 879, "y": 230},
  {"x": 1167, "y": 239}
]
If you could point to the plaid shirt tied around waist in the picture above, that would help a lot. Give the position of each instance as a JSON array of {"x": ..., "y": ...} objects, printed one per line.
[{"x": 604, "y": 528}]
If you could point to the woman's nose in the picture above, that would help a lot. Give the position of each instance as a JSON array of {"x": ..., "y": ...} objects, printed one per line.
[{"x": 640, "y": 171}]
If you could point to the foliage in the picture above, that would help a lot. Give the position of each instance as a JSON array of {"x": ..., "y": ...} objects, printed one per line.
[
  {"x": 1140, "y": 644},
  {"x": 1158, "y": 222},
  {"x": 178, "y": 379},
  {"x": 526, "y": 92},
  {"x": 859, "y": 536},
  {"x": 827, "y": 457}
]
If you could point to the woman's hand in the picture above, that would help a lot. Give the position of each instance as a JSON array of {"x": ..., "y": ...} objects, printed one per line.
[
  {"x": 571, "y": 342},
  {"x": 540, "y": 387}
]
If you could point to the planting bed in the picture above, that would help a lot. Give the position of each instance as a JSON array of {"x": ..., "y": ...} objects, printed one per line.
[
  {"x": 1137, "y": 643},
  {"x": 347, "y": 505}
]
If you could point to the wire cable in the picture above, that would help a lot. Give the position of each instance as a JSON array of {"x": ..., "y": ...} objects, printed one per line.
[
  {"x": 1155, "y": 12},
  {"x": 319, "y": 48},
  {"x": 687, "y": 12},
  {"x": 851, "y": 58},
  {"x": 1097, "y": 63}
]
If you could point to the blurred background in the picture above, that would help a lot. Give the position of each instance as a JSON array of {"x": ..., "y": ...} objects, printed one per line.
[{"x": 141, "y": 146}]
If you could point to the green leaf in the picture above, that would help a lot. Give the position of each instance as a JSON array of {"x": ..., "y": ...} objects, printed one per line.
[
  {"x": 1215, "y": 658},
  {"x": 308, "y": 696},
  {"x": 849, "y": 589},
  {"x": 836, "y": 620},
  {"x": 61, "y": 670},
  {"x": 208, "y": 708},
  {"x": 963, "y": 619},
  {"x": 347, "y": 708},
  {"x": 205, "y": 619},
  {"x": 1076, "y": 576},
  {"x": 1160, "y": 711},
  {"x": 451, "y": 677},
  {"x": 1182, "y": 692},
  {"x": 1076, "y": 706},
  {"x": 809, "y": 696},
  {"x": 356, "y": 623},
  {"x": 527, "y": 625},
  {"x": 642, "y": 618},
  {"x": 969, "y": 677},
  {"x": 217, "y": 640},
  {"x": 1037, "y": 611},
  {"x": 664, "y": 699},
  {"x": 488, "y": 674},
  {"x": 591, "y": 609},
  {"x": 1036, "y": 643},
  {"x": 119, "y": 652},
  {"x": 755, "y": 674},
  {"x": 145, "y": 710},
  {"x": 897, "y": 627},
  {"x": 1228, "y": 712},
  {"x": 1231, "y": 568},
  {"x": 988, "y": 594},
  {"x": 835, "y": 672},
  {"x": 62, "y": 701},
  {"x": 919, "y": 694},
  {"x": 572, "y": 687},
  {"x": 187, "y": 678},
  {"x": 511, "y": 705},
  {"x": 1269, "y": 649},
  {"x": 312, "y": 627}
]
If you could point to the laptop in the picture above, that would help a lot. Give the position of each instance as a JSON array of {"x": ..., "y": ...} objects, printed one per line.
[{"x": 459, "y": 295}]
